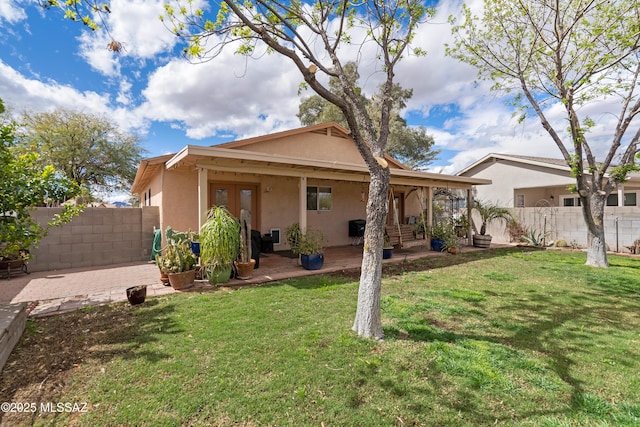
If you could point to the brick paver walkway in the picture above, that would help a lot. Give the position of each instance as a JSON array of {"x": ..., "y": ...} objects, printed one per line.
[{"x": 66, "y": 290}]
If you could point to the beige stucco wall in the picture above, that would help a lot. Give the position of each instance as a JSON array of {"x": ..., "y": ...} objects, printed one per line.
[
  {"x": 311, "y": 146},
  {"x": 278, "y": 201},
  {"x": 179, "y": 199}
]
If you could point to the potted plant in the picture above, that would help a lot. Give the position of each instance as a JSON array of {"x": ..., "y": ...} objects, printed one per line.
[
  {"x": 438, "y": 234},
  {"x": 421, "y": 227},
  {"x": 137, "y": 294},
  {"x": 219, "y": 244},
  {"x": 245, "y": 265},
  {"x": 451, "y": 241},
  {"x": 292, "y": 234},
  {"x": 310, "y": 248},
  {"x": 387, "y": 249},
  {"x": 178, "y": 262},
  {"x": 488, "y": 213}
]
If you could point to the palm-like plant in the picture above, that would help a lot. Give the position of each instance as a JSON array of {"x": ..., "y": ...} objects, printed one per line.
[
  {"x": 489, "y": 212},
  {"x": 219, "y": 239}
]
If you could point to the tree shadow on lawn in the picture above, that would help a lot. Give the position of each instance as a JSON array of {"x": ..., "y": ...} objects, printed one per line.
[
  {"x": 534, "y": 323},
  {"x": 428, "y": 262},
  {"x": 37, "y": 368}
]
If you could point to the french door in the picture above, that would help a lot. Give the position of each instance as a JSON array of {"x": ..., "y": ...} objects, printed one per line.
[{"x": 236, "y": 196}]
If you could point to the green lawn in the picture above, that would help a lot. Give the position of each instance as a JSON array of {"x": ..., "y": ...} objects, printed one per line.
[{"x": 507, "y": 337}]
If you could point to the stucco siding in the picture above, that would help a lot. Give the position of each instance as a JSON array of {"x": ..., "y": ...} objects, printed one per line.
[
  {"x": 180, "y": 199},
  {"x": 311, "y": 146},
  {"x": 507, "y": 176}
]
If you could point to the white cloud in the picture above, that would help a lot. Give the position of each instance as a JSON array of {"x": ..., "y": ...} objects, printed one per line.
[
  {"x": 229, "y": 93},
  {"x": 247, "y": 97},
  {"x": 24, "y": 94},
  {"x": 137, "y": 26},
  {"x": 11, "y": 12}
]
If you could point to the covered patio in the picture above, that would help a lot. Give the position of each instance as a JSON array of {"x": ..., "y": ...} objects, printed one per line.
[{"x": 55, "y": 292}]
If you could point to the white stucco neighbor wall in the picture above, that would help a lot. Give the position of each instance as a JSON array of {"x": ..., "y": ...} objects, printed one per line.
[
  {"x": 622, "y": 225},
  {"x": 507, "y": 176}
]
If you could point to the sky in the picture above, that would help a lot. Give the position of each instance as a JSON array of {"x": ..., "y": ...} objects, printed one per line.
[{"x": 150, "y": 90}]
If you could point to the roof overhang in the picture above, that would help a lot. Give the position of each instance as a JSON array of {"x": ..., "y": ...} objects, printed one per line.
[
  {"x": 493, "y": 157},
  {"x": 147, "y": 169},
  {"x": 632, "y": 179},
  {"x": 236, "y": 160}
]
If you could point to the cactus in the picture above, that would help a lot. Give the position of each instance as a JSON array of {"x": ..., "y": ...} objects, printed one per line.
[{"x": 245, "y": 235}]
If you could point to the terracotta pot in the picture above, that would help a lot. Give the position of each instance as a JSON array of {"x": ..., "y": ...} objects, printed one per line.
[
  {"x": 182, "y": 280},
  {"x": 164, "y": 278},
  {"x": 245, "y": 269},
  {"x": 137, "y": 294},
  {"x": 452, "y": 250}
]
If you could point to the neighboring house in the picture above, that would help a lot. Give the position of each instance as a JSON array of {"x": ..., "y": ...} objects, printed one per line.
[
  {"x": 525, "y": 181},
  {"x": 313, "y": 175},
  {"x": 538, "y": 188}
]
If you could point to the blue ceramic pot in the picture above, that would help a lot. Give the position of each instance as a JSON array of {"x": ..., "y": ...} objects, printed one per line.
[
  {"x": 387, "y": 253},
  {"x": 195, "y": 248},
  {"x": 437, "y": 245},
  {"x": 312, "y": 262}
]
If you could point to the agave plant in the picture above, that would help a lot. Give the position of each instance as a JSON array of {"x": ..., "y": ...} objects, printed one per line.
[{"x": 535, "y": 238}]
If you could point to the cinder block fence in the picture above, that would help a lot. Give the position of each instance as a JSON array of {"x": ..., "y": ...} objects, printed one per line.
[
  {"x": 99, "y": 236},
  {"x": 621, "y": 224}
]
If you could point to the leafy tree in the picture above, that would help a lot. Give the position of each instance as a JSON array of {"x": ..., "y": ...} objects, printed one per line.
[
  {"x": 311, "y": 35},
  {"x": 410, "y": 145},
  {"x": 86, "y": 148},
  {"x": 573, "y": 55},
  {"x": 24, "y": 184}
]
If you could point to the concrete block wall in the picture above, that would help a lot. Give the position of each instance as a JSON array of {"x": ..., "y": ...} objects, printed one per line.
[
  {"x": 99, "y": 236},
  {"x": 622, "y": 225},
  {"x": 13, "y": 318}
]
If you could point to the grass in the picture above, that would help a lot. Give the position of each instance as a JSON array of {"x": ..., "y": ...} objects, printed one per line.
[{"x": 508, "y": 338}]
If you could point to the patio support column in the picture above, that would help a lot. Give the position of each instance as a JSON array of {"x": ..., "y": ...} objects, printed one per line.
[
  {"x": 302, "y": 206},
  {"x": 620, "y": 195},
  {"x": 203, "y": 187},
  {"x": 469, "y": 211},
  {"x": 429, "y": 210}
]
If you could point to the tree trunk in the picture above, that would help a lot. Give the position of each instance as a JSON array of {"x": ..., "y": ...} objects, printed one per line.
[
  {"x": 594, "y": 217},
  {"x": 368, "y": 321}
]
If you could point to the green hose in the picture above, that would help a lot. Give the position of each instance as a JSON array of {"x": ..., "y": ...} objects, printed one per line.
[{"x": 157, "y": 244}]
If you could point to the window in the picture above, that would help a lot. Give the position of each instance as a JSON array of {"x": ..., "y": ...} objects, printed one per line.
[
  {"x": 319, "y": 198},
  {"x": 519, "y": 200},
  {"x": 612, "y": 200},
  {"x": 630, "y": 199},
  {"x": 571, "y": 201}
]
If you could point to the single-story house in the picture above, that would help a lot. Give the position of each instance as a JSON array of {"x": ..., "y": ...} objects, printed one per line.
[
  {"x": 313, "y": 175},
  {"x": 537, "y": 190},
  {"x": 526, "y": 181}
]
